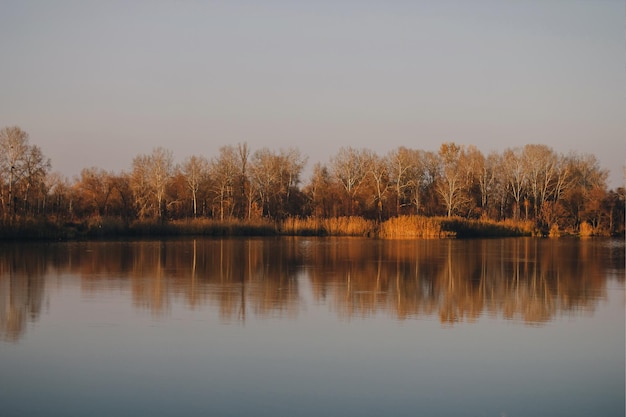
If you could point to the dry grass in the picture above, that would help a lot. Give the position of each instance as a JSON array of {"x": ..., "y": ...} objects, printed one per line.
[
  {"x": 404, "y": 227},
  {"x": 410, "y": 227},
  {"x": 228, "y": 227},
  {"x": 464, "y": 228},
  {"x": 586, "y": 230},
  {"x": 554, "y": 231},
  {"x": 335, "y": 226},
  {"x": 413, "y": 227}
]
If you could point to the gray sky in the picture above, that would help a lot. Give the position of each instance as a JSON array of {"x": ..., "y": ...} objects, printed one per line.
[{"x": 97, "y": 83}]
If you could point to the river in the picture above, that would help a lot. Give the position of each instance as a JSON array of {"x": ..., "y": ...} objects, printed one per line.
[{"x": 313, "y": 327}]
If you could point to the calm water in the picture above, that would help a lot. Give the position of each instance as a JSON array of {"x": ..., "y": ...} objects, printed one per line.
[{"x": 313, "y": 327}]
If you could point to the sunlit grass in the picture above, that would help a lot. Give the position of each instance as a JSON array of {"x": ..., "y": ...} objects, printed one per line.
[
  {"x": 403, "y": 227},
  {"x": 464, "y": 228},
  {"x": 334, "y": 226},
  {"x": 413, "y": 227}
]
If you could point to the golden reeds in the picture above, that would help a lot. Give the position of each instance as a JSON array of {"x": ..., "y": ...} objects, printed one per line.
[
  {"x": 334, "y": 226},
  {"x": 413, "y": 227}
]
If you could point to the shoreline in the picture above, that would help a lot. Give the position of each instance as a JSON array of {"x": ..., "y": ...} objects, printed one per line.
[{"x": 403, "y": 227}]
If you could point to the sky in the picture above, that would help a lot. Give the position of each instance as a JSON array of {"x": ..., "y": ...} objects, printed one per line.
[{"x": 96, "y": 83}]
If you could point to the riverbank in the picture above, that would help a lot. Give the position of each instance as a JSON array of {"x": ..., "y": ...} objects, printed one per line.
[{"x": 405, "y": 227}]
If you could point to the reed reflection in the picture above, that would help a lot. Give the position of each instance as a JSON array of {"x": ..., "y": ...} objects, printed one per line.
[{"x": 529, "y": 280}]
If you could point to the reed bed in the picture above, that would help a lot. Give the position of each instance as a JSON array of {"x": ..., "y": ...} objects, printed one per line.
[
  {"x": 586, "y": 230},
  {"x": 465, "y": 228},
  {"x": 403, "y": 227},
  {"x": 229, "y": 227},
  {"x": 334, "y": 226},
  {"x": 34, "y": 230},
  {"x": 413, "y": 227}
]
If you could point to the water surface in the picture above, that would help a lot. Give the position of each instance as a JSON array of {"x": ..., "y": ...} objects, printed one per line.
[{"x": 311, "y": 326}]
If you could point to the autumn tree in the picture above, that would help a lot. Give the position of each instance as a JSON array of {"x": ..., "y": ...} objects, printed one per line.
[
  {"x": 94, "y": 187},
  {"x": 614, "y": 205},
  {"x": 323, "y": 193},
  {"x": 584, "y": 190},
  {"x": 123, "y": 196}
]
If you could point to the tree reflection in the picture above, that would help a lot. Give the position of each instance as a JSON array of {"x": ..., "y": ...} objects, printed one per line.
[
  {"x": 528, "y": 280},
  {"x": 239, "y": 276},
  {"x": 21, "y": 289}
]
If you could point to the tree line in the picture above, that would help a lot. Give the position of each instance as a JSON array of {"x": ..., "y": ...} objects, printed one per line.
[{"x": 530, "y": 183}]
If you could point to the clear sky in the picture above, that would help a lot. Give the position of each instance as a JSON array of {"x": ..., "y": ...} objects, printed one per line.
[{"x": 96, "y": 83}]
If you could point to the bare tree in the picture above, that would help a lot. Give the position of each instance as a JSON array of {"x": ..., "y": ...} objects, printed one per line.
[
  {"x": 160, "y": 174},
  {"x": 274, "y": 176},
  {"x": 540, "y": 163},
  {"x": 58, "y": 196},
  {"x": 224, "y": 172},
  {"x": 195, "y": 170},
  {"x": 402, "y": 169},
  {"x": 350, "y": 167},
  {"x": 452, "y": 181},
  {"x": 246, "y": 193},
  {"x": 516, "y": 177},
  {"x": 35, "y": 169},
  {"x": 486, "y": 177},
  {"x": 426, "y": 178},
  {"x": 379, "y": 172},
  {"x": 149, "y": 179},
  {"x": 21, "y": 164}
]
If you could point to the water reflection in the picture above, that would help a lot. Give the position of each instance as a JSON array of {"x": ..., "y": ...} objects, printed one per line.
[
  {"x": 21, "y": 290},
  {"x": 528, "y": 280}
]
